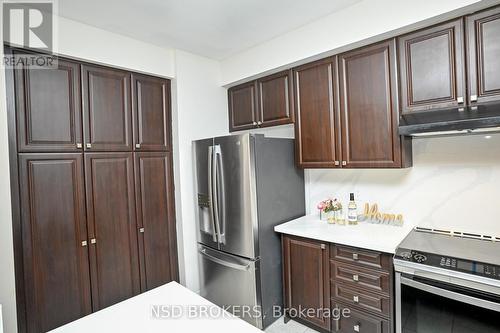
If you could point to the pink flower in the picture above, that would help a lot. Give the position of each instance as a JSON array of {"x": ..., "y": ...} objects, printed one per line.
[{"x": 321, "y": 205}]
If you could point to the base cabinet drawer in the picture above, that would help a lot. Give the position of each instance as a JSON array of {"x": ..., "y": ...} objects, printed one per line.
[
  {"x": 377, "y": 304},
  {"x": 360, "y": 322},
  {"x": 362, "y": 257},
  {"x": 355, "y": 276}
]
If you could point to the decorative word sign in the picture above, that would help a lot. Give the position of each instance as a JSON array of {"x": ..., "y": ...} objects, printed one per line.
[{"x": 372, "y": 215}]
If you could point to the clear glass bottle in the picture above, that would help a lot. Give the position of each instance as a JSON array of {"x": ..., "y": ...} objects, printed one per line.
[{"x": 352, "y": 211}]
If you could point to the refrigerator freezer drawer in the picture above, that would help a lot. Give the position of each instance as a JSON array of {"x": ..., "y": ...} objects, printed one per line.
[{"x": 230, "y": 281}]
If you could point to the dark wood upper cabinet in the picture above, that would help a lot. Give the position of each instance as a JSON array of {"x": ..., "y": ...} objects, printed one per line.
[
  {"x": 307, "y": 278},
  {"x": 483, "y": 30},
  {"x": 432, "y": 67},
  {"x": 56, "y": 270},
  {"x": 275, "y": 100},
  {"x": 151, "y": 113},
  {"x": 112, "y": 227},
  {"x": 242, "y": 101},
  {"x": 155, "y": 219},
  {"x": 316, "y": 126},
  {"x": 107, "y": 114},
  {"x": 369, "y": 107},
  {"x": 48, "y": 108}
]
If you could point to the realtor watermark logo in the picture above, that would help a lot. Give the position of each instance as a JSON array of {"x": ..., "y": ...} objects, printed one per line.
[{"x": 30, "y": 24}]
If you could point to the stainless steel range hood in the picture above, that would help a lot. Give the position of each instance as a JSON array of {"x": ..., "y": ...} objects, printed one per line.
[{"x": 484, "y": 118}]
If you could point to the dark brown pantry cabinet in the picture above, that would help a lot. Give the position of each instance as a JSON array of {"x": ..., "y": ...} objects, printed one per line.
[
  {"x": 306, "y": 279},
  {"x": 262, "y": 103},
  {"x": 483, "y": 31},
  {"x": 432, "y": 67},
  {"x": 93, "y": 212}
]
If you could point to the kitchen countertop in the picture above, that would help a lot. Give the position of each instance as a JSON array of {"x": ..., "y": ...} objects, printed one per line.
[
  {"x": 378, "y": 237},
  {"x": 135, "y": 315}
]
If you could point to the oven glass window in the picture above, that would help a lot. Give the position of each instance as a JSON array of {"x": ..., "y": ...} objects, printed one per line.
[{"x": 423, "y": 312}]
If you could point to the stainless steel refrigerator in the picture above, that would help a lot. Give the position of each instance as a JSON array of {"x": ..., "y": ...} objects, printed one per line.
[{"x": 245, "y": 185}]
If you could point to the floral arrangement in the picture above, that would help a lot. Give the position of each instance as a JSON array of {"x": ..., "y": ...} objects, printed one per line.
[{"x": 329, "y": 205}]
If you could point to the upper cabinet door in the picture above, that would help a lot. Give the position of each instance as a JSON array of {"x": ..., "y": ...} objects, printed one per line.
[
  {"x": 114, "y": 265},
  {"x": 48, "y": 108},
  {"x": 432, "y": 67},
  {"x": 368, "y": 105},
  {"x": 151, "y": 105},
  {"x": 484, "y": 55},
  {"x": 106, "y": 109},
  {"x": 317, "y": 137},
  {"x": 242, "y": 101},
  {"x": 275, "y": 93}
]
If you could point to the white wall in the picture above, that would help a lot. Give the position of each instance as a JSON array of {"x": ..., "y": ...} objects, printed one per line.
[
  {"x": 201, "y": 113},
  {"x": 362, "y": 23}
]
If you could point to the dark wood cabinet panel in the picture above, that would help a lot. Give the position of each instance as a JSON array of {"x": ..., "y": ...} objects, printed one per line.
[
  {"x": 306, "y": 278},
  {"x": 316, "y": 126},
  {"x": 48, "y": 108},
  {"x": 56, "y": 271},
  {"x": 275, "y": 99},
  {"x": 432, "y": 67},
  {"x": 151, "y": 113},
  {"x": 362, "y": 257},
  {"x": 358, "y": 277},
  {"x": 359, "y": 321},
  {"x": 369, "y": 108},
  {"x": 155, "y": 219},
  {"x": 112, "y": 223},
  {"x": 372, "y": 302},
  {"x": 107, "y": 114},
  {"x": 483, "y": 30},
  {"x": 242, "y": 101}
]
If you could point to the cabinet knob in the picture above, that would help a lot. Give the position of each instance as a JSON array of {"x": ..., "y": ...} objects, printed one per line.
[
  {"x": 344, "y": 163},
  {"x": 84, "y": 243},
  {"x": 355, "y": 299},
  {"x": 460, "y": 100},
  {"x": 259, "y": 123},
  {"x": 141, "y": 230},
  {"x": 93, "y": 241},
  {"x": 355, "y": 277},
  {"x": 337, "y": 162},
  {"x": 323, "y": 246},
  {"x": 473, "y": 98},
  {"x": 79, "y": 145},
  {"x": 88, "y": 145},
  {"x": 254, "y": 123},
  {"x": 355, "y": 256},
  {"x": 137, "y": 145},
  {"x": 356, "y": 328}
]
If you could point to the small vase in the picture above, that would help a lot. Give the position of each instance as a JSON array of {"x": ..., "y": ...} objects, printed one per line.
[
  {"x": 330, "y": 217},
  {"x": 339, "y": 217}
]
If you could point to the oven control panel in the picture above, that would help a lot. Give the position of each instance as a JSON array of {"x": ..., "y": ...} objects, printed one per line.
[{"x": 451, "y": 263}]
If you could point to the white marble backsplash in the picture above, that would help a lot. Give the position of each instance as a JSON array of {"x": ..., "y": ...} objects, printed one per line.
[{"x": 454, "y": 184}]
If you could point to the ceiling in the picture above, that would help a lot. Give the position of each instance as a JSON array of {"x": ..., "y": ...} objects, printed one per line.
[{"x": 213, "y": 28}]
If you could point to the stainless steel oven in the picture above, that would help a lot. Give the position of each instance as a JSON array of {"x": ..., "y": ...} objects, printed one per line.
[{"x": 438, "y": 292}]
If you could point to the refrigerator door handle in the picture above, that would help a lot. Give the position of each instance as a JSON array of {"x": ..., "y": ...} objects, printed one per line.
[
  {"x": 223, "y": 262},
  {"x": 220, "y": 194},
  {"x": 210, "y": 191}
]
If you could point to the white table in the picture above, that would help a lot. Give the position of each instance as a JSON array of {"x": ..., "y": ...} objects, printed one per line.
[{"x": 135, "y": 315}]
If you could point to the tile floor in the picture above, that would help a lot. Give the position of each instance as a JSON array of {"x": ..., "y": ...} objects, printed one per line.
[{"x": 279, "y": 326}]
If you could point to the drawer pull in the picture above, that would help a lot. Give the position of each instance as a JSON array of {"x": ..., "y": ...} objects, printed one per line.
[
  {"x": 355, "y": 299},
  {"x": 355, "y": 277},
  {"x": 355, "y": 256},
  {"x": 356, "y": 328}
]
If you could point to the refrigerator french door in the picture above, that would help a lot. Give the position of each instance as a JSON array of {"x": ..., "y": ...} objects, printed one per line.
[{"x": 245, "y": 185}]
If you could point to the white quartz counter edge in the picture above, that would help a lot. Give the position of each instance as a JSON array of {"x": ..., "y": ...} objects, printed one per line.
[{"x": 377, "y": 237}]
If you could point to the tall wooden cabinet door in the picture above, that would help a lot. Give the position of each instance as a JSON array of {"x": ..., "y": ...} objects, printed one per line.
[
  {"x": 56, "y": 266},
  {"x": 48, "y": 108},
  {"x": 152, "y": 119},
  {"x": 316, "y": 126},
  {"x": 432, "y": 67},
  {"x": 483, "y": 30},
  {"x": 107, "y": 114},
  {"x": 307, "y": 278},
  {"x": 368, "y": 107},
  {"x": 275, "y": 99},
  {"x": 113, "y": 245},
  {"x": 242, "y": 102},
  {"x": 155, "y": 219}
]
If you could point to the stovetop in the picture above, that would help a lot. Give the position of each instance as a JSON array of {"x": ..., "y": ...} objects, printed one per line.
[{"x": 473, "y": 255}]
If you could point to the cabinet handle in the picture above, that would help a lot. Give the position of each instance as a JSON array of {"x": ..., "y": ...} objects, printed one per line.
[
  {"x": 254, "y": 123},
  {"x": 355, "y": 277},
  {"x": 79, "y": 145},
  {"x": 355, "y": 256},
  {"x": 344, "y": 163},
  {"x": 460, "y": 100},
  {"x": 259, "y": 123},
  {"x": 473, "y": 98},
  {"x": 356, "y": 328},
  {"x": 84, "y": 243},
  {"x": 141, "y": 230},
  {"x": 137, "y": 145},
  {"x": 88, "y": 145},
  {"x": 323, "y": 246},
  {"x": 93, "y": 241},
  {"x": 355, "y": 299},
  {"x": 337, "y": 162}
]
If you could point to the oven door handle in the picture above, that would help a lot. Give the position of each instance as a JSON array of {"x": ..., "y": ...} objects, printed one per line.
[{"x": 451, "y": 294}]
